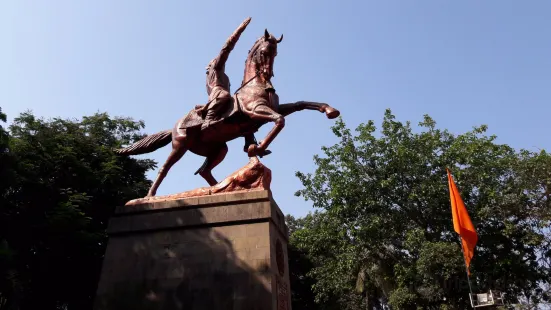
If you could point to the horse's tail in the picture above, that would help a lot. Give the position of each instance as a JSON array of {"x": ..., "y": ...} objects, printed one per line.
[{"x": 147, "y": 144}]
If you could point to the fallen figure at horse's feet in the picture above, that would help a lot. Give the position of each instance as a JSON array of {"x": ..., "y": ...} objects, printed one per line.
[{"x": 252, "y": 177}]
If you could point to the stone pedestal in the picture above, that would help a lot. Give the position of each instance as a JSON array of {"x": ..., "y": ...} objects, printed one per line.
[{"x": 222, "y": 251}]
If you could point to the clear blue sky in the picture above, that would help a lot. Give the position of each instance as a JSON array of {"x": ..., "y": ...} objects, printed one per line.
[{"x": 465, "y": 63}]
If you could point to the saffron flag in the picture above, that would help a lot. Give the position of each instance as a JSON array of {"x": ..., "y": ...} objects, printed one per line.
[{"x": 462, "y": 223}]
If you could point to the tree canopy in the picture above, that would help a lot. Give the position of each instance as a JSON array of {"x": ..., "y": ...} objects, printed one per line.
[
  {"x": 61, "y": 186},
  {"x": 383, "y": 235}
]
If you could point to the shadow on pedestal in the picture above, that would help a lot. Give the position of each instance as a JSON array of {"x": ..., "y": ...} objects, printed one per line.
[
  {"x": 191, "y": 269},
  {"x": 216, "y": 251}
]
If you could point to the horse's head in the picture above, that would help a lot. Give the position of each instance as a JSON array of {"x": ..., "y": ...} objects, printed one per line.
[{"x": 261, "y": 56}]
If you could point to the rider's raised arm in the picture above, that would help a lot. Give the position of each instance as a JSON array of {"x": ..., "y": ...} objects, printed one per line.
[{"x": 230, "y": 43}]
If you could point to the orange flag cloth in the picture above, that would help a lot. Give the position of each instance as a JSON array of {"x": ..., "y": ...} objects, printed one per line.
[{"x": 462, "y": 223}]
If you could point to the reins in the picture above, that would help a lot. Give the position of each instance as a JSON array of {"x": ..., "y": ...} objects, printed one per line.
[{"x": 254, "y": 77}]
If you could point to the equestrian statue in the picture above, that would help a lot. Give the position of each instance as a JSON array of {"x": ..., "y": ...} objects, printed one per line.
[{"x": 225, "y": 117}]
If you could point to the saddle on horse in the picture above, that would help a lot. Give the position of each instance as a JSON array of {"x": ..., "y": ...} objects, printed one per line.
[{"x": 196, "y": 117}]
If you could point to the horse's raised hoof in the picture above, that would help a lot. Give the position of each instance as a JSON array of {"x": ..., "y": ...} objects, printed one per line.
[{"x": 331, "y": 112}]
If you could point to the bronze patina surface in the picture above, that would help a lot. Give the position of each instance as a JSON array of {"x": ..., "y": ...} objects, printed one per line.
[{"x": 206, "y": 128}]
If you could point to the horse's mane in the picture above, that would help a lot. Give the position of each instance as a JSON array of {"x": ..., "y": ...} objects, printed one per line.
[{"x": 253, "y": 49}]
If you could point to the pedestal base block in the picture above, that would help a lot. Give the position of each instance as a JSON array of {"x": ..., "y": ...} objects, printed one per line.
[{"x": 221, "y": 251}]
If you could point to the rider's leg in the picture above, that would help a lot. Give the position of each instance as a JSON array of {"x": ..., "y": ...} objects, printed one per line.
[{"x": 222, "y": 97}]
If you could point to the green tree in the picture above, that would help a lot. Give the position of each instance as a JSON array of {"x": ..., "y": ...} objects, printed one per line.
[
  {"x": 10, "y": 288},
  {"x": 302, "y": 296},
  {"x": 385, "y": 234},
  {"x": 6, "y": 162},
  {"x": 67, "y": 182}
]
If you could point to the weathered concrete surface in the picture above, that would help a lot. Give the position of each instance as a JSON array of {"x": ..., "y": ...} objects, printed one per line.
[{"x": 225, "y": 251}]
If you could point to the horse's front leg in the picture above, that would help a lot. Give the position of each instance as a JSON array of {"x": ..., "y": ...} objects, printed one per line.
[
  {"x": 264, "y": 113},
  {"x": 249, "y": 140},
  {"x": 288, "y": 108}
]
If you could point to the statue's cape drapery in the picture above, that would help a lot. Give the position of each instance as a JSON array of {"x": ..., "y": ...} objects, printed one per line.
[
  {"x": 239, "y": 103},
  {"x": 194, "y": 119}
]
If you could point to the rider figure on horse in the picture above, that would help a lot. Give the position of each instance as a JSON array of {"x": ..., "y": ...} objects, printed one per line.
[
  {"x": 218, "y": 86},
  {"x": 218, "y": 83},
  {"x": 258, "y": 104}
]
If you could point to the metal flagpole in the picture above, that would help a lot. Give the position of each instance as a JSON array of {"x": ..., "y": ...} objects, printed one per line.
[{"x": 466, "y": 272}]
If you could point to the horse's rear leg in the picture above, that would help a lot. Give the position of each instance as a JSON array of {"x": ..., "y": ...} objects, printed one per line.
[
  {"x": 178, "y": 150},
  {"x": 213, "y": 159}
]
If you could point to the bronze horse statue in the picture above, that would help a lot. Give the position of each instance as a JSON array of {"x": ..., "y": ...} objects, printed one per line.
[{"x": 253, "y": 105}]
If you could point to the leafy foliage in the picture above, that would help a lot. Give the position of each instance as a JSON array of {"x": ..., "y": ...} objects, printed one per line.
[
  {"x": 64, "y": 183},
  {"x": 385, "y": 234}
]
